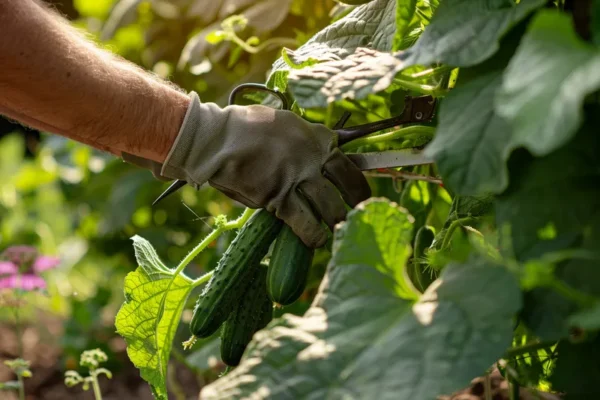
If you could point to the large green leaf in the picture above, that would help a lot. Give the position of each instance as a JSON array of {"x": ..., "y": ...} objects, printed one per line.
[
  {"x": 369, "y": 25},
  {"x": 553, "y": 205},
  {"x": 546, "y": 82},
  {"x": 477, "y": 133},
  {"x": 361, "y": 340},
  {"x": 472, "y": 142},
  {"x": 358, "y": 62},
  {"x": 148, "y": 320},
  {"x": 463, "y": 33}
]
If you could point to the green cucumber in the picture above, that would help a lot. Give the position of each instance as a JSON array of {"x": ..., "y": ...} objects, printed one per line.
[
  {"x": 254, "y": 312},
  {"x": 233, "y": 273},
  {"x": 288, "y": 269},
  {"x": 416, "y": 269}
]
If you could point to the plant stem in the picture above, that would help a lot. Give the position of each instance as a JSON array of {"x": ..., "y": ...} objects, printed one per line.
[
  {"x": 203, "y": 279},
  {"x": 527, "y": 348},
  {"x": 18, "y": 330},
  {"x": 452, "y": 228},
  {"x": 241, "y": 220},
  {"x": 21, "y": 387},
  {"x": 434, "y": 91},
  {"x": 427, "y": 73},
  {"x": 278, "y": 41},
  {"x": 487, "y": 387},
  {"x": 96, "y": 386},
  {"x": 384, "y": 137}
]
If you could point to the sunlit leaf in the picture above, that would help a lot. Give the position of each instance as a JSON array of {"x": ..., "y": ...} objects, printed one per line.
[
  {"x": 361, "y": 340},
  {"x": 148, "y": 320},
  {"x": 350, "y": 70}
]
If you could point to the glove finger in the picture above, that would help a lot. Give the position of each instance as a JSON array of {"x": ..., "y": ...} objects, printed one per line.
[
  {"x": 347, "y": 177},
  {"x": 325, "y": 200},
  {"x": 297, "y": 213}
]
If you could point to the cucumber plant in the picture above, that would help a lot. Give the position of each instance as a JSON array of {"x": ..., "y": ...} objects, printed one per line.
[{"x": 512, "y": 197}]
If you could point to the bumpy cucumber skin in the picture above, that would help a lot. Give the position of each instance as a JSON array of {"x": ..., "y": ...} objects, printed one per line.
[
  {"x": 233, "y": 273},
  {"x": 288, "y": 270},
  {"x": 254, "y": 312},
  {"x": 423, "y": 239}
]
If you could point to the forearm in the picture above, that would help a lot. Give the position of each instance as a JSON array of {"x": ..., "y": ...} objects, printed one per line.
[{"x": 51, "y": 78}]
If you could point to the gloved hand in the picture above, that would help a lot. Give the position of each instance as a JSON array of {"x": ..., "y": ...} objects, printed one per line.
[{"x": 267, "y": 158}]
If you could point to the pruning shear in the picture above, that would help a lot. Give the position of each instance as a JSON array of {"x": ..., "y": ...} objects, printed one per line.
[{"x": 417, "y": 109}]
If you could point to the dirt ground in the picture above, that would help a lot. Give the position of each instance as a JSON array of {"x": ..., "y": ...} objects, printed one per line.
[{"x": 47, "y": 382}]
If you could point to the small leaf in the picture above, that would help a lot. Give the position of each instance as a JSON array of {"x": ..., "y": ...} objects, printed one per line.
[
  {"x": 148, "y": 319},
  {"x": 546, "y": 82},
  {"x": 361, "y": 340},
  {"x": 10, "y": 385},
  {"x": 288, "y": 56},
  {"x": 148, "y": 260}
]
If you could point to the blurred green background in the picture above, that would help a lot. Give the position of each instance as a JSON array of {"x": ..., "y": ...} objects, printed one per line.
[{"x": 83, "y": 206}]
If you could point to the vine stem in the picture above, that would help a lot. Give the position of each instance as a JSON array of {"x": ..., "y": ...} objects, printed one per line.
[
  {"x": 279, "y": 41},
  {"x": 452, "y": 228},
  {"x": 384, "y": 137},
  {"x": 427, "y": 73},
  {"x": 237, "y": 223},
  {"x": 434, "y": 91}
]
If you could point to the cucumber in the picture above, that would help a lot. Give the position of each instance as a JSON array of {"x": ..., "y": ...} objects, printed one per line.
[
  {"x": 416, "y": 270},
  {"x": 254, "y": 312},
  {"x": 288, "y": 269},
  {"x": 233, "y": 273}
]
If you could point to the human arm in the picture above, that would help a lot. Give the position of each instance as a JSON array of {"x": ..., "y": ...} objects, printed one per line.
[{"x": 54, "y": 79}]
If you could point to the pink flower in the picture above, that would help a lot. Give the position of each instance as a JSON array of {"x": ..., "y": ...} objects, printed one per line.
[
  {"x": 21, "y": 267},
  {"x": 26, "y": 282},
  {"x": 8, "y": 268}
]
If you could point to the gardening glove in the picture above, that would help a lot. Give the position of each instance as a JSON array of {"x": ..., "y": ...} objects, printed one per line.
[{"x": 267, "y": 158}]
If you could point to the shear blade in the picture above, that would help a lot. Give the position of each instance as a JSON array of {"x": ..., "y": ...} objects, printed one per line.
[{"x": 389, "y": 159}]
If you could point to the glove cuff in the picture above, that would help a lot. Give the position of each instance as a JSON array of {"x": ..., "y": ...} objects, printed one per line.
[
  {"x": 153, "y": 166},
  {"x": 191, "y": 155}
]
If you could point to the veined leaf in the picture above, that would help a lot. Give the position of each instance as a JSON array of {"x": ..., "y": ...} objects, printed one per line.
[
  {"x": 148, "y": 320},
  {"x": 361, "y": 339},
  {"x": 472, "y": 143},
  {"x": 546, "y": 82},
  {"x": 350, "y": 70},
  {"x": 369, "y": 25},
  {"x": 405, "y": 10}
]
